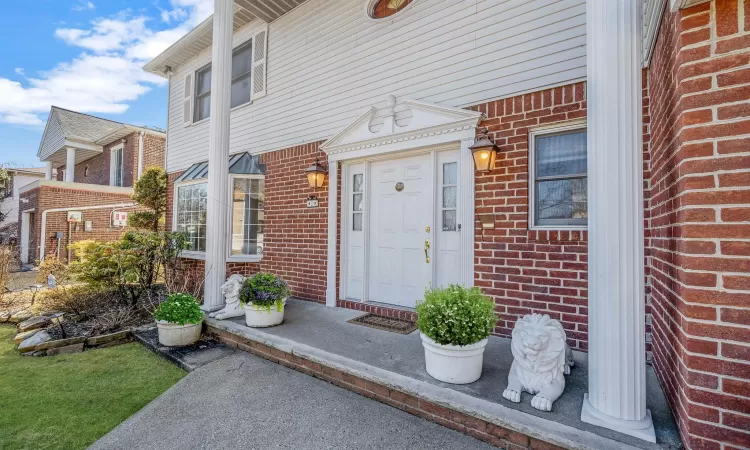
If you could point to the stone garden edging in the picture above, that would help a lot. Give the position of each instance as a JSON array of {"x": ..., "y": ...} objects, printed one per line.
[{"x": 47, "y": 347}]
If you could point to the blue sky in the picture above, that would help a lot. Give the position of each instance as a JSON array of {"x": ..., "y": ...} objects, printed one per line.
[{"x": 84, "y": 55}]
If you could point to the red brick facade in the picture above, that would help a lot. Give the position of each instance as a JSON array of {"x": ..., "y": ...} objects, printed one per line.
[
  {"x": 698, "y": 210},
  {"x": 96, "y": 170},
  {"x": 295, "y": 235},
  {"x": 50, "y": 197},
  {"x": 524, "y": 270}
]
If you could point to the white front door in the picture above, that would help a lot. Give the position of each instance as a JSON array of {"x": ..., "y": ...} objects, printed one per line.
[{"x": 400, "y": 222}]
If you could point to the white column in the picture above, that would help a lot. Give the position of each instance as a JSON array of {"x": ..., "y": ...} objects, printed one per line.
[
  {"x": 70, "y": 165},
  {"x": 48, "y": 170},
  {"x": 333, "y": 185},
  {"x": 617, "y": 360},
  {"x": 218, "y": 156},
  {"x": 466, "y": 207}
]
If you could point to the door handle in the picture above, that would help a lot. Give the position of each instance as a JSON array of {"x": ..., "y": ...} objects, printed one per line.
[{"x": 426, "y": 253}]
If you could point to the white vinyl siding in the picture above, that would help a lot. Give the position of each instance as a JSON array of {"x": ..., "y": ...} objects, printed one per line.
[
  {"x": 52, "y": 140},
  {"x": 327, "y": 63}
]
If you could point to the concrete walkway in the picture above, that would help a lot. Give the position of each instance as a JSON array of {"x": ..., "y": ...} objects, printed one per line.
[{"x": 245, "y": 402}]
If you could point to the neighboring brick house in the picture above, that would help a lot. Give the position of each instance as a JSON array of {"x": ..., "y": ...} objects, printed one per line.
[
  {"x": 617, "y": 203},
  {"x": 18, "y": 178},
  {"x": 97, "y": 161}
]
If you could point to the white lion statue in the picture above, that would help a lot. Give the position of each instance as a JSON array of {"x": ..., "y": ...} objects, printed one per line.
[
  {"x": 541, "y": 359},
  {"x": 231, "y": 291}
]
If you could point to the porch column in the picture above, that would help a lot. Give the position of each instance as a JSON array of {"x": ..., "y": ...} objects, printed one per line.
[
  {"x": 218, "y": 156},
  {"x": 617, "y": 354},
  {"x": 70, "y": 165},
  {"x": 48, "y": 170},
  {"x": 333, "y": 184}
]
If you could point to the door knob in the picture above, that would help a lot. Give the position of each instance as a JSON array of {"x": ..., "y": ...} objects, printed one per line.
[{"x": 426, "y": 253}]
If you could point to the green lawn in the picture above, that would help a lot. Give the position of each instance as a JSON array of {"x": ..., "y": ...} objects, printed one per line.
[{"x": 69, "y": 401}]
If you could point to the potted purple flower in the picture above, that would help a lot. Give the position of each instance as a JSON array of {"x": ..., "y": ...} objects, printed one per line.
[{"x": 263, "y": 296}]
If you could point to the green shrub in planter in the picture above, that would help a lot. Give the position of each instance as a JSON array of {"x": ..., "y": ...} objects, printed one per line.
[
  {"x": 264, "y": 290},
  {"x": 180, "y": 309},
  {"x": 456, "y": 315}
]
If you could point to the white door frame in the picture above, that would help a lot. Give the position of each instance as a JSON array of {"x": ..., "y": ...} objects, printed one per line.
[
  {"x": 431, "y": 127},
  {"x": 346, "y": 213},
  {"x": 25, "y": 235}
]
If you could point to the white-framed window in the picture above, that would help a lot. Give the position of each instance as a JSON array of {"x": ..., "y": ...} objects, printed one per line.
[
  {"x": 449, "y": 196},
  {"x": 557, "y": 177},
  {"x": 202, "y": 109},
  {"x": 242, "y": 69},
  {"x": 358, "y": 200},
  {"x": 116, "y": 165},
  {"x": 190, "y": 213},
  {"x": 248, "y": 217}
]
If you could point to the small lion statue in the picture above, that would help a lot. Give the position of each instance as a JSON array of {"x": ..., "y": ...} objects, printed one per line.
[
  {"x": 231, "y": 291},
  {"x": 541, "y": 359}
]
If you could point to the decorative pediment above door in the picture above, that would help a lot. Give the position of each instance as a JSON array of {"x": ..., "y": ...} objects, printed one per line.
[{"x": 399, "y": 125}]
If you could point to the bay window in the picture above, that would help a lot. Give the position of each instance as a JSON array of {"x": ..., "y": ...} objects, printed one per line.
[
  {"x": 247, "y": 216},
  {"x": 190, "y": 214}
]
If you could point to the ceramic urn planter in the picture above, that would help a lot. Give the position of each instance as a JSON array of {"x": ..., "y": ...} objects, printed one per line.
[
  {"x": 456, "y": 364},
  {"x": 176, "y": 335},
  {"x": 262, "y": 317}
]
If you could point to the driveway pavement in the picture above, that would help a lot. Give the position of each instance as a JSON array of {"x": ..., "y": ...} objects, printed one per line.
[{"x": 245, "y": 402}]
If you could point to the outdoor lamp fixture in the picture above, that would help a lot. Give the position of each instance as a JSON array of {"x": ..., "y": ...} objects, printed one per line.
[
  {"x": 316, "y": 174},
  {"x": 484, "y": 153}
]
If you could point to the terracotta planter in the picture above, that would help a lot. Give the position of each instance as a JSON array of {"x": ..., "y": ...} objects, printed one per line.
[
  {"x": 263, "y": 317},
  {"x": 176, "y": 335},
  {"x": 456, "y": 364}
]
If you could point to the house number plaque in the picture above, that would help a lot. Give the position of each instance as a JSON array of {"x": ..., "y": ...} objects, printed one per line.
[{"x": 399, "y": 186}]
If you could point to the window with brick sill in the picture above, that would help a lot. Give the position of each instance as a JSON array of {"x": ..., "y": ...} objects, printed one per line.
[{"x": 558, "y": 196}]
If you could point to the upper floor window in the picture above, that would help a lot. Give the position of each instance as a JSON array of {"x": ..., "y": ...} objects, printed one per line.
[
  {"x": 241, "y": 77},
  {"x": 558, "y": 190},
  {"x": 386, "y": 8},
  {"x": 202, "y": 109},
  {"x": 116, "y": 166}
]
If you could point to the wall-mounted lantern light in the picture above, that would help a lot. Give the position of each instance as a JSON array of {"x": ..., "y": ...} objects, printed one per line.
[
  {"x": 316, "y": 174},
  {"x": 484, "y": 153}
]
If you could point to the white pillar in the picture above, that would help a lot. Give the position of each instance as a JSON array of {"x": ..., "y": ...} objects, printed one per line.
[
  {"x": 218, "y": 156},
  {"x": 48, "y": 170},
  {"x": 70, "y": 165},
  {"x": 617, "y": 354},
  {"x": 333, "y": 184}
]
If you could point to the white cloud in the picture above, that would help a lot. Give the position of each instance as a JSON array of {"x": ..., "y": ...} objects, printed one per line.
[
  {"x": 107, "y": 76},
  {"x": 83, "y": 6}
]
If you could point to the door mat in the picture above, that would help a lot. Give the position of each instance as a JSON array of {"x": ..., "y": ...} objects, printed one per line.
[{"x": 371, "y": 320}]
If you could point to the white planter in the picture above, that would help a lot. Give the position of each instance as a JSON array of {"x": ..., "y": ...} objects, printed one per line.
[
  {"x": 176, "y": 335},
  {"x": 456, "y": 364},
  {"x": 263, "y": 317}
]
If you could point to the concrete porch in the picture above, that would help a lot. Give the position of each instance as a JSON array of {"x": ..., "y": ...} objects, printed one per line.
[{"x": 390, "y": 367}]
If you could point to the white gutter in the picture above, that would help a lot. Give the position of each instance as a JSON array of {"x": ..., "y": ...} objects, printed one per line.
[
  {"x": 82, "y": 208},
  {"x": 140, "y": 153}
]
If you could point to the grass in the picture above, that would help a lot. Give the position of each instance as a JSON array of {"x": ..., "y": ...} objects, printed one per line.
[{"x": 69, "y": 401}]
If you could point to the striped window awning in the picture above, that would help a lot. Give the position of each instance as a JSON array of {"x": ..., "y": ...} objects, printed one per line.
[{"x": 241, "y": 163}]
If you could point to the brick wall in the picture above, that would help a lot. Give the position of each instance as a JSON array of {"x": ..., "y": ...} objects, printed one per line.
[
  {"x": 698, "y": 213},
  {"x": 295, "y": 237},
  {"x": 47, "y": 197},
  {"x": 96, "y": 170},
  {"x": 527, "y": 271}
]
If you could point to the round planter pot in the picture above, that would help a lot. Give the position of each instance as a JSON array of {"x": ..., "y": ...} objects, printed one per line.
[
  {"x": 456, "y": 364},
  {"x": 176, "y": 335},
  {"x": 263, "y": 317}
]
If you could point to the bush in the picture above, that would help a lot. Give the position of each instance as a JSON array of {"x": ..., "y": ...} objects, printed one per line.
[
  {"x": 55, "y": 267},
  {"x": 179, "y": 308},
  {"x": 80, "y": 301},
  {"x": 456, "y": 315},
  {"x": 131, "y": 265},
  {"x": 263, "y": 290}
]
